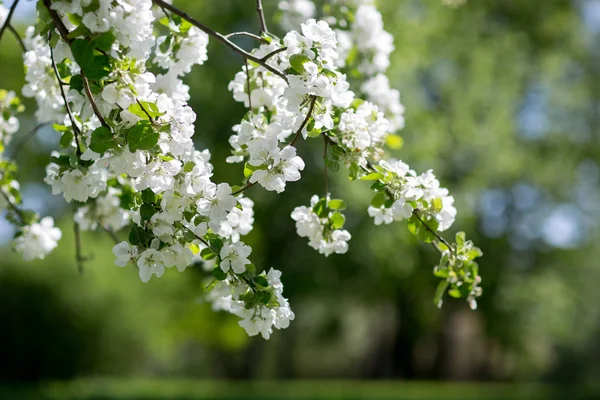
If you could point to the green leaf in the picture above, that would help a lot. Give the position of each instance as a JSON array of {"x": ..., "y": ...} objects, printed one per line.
[
  {"x": 321, "y": 208},
  {"x": 337, "y": 204},
  {"x": 98, "y": 69},
  {"x": 207, "y": 254},
  {"x": 148, "y": 196},
  {"x": 94, "y": 66},
  {"x": 439, "y": 293},
  {"x": 261, "y": 280},
  {"x": 373, "y": 176},
  {"x": 82, "y": 51},
  {"x": 264, "y": 297},
  {"x": 149, "y": 110},
  {"x": 102, "y": 140},
  {"x": 297, "y": 62},
  {"x": 424, "y": 234},
  {"x": 378, "y": 200},
  {"x": 460, "y": 239},
  {"x": 104, "y": 41},
  {"x": 218, "y": 273},
  {"x": 66, "y": 139},
  {"x": 147, "y": 211},
  {"x": 76, "y": 83},
  {"x": 138, "y": 235},
  {"x": 142, "y": 137},
  {"x": 338, "y": 220},
  {"x": 189, "y": 167}
]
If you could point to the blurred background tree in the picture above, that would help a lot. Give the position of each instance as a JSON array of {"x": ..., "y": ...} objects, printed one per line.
[{"x": 502, "y": 102}]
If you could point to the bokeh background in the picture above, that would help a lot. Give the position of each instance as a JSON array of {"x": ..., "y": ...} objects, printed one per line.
[{"x": 503, "y": 102}]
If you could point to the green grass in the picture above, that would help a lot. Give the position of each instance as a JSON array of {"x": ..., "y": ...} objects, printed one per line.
[{"x": 137, "y": 389}]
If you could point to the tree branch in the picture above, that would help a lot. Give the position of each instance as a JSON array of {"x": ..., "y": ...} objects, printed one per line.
[
  {"x": 8, "y": 17},
  {"x": 76, "y": 130},
  {"x": 247, "y": 186},
  {"x": 110, "y": 232},
  {"x": 248, "y": 34},
  {"x": 310, "y": 110},
  {"x": 261, "y": 17},
  {"x": 248, "y": 84},
  {"x": 18, "y": 37},
  {"x": 29, "y": 135},
  {"x": 79, "y": 259},
  {"x": 325, "y": 164},
  {"x": 64, "y": 33},
  {"x": 222, "y": 38},
  {"x": 13, "y": 206}
]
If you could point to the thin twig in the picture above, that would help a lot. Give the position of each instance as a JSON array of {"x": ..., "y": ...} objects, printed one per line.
[
  {"x": 8, "y": 17},
  {"x": 76, "y": 130},
  {"x": 248, "y": 84},
  {"x": 144, "y": 110},
  {"x": 433, "y": 232},
  {"x": 111, "y": 233},
  {"x": 90, "y": 96},
  {"x": 64, "y": 33},
  {"x": 310, "y": 110},
  {"x": 261, "y": 17},
  {"x": 248, "y": 34},
  {"x": 18, "y": 37},
  {"x": 29, "y": 135},
  {"x": 240, "y": 190},
  {"x": 271, "y": 54},
  {"x": 79, "y": 259},
  {"x": 13, "y": 206},
  {"x": 325, "y": 165},
  {"x": 220, "y": 37}
]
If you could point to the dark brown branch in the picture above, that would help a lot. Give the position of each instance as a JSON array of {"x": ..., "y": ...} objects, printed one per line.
[
  {"x": 261, "y": 17},
  {"x": 433, "y": 232},
  {"x": 325, "y": 164},
  {"x": 145, "y": 111},
  {"x": 247, "y": 186},
  {"x": 18, "y": 37},
  {"x": 222, "y": 38},
  {"x": 8, "y": 17},
  {"x": 271, "y": 54},
  {"x": 76, "y": 130},
  {"x": 248, "y": 84},
  {"x": 64, "y": 33},
  {"x": 79, "y": 259},
  {"x": 299, "y": 131}
]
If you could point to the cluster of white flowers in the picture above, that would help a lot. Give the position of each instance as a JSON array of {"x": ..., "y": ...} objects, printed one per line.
[
  {"x": 128, "y": 158},
  {"x": 228, "y": 295},
  {"x": 38, "y": 239},
  {"x": 364, "y": 47},
  {"x": 33, "y": 239},
  {"x": 322, "y": 226},
  {"x": 9, "y": 123},
  {"x": 140, "y": 165},
  {"x": 410, "y": 192}
]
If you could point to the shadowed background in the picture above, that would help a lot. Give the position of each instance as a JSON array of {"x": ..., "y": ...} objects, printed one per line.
[{"x": 502, "y": 101}]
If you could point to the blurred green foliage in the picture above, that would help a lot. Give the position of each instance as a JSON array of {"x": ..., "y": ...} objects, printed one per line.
[{"x": 502, "y": 102}]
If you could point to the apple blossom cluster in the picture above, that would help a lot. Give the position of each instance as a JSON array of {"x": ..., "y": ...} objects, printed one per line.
[
  {"x": 273, "y": 312},
  {"x": 364, "y": 49},
  {"x": 401, "y": 191},
  {"x": 107, "y": 74},
  {"x": 322, "y": 224},
  {"x": 127, "y": 155},
  {"x": 34, "y": 238}
]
